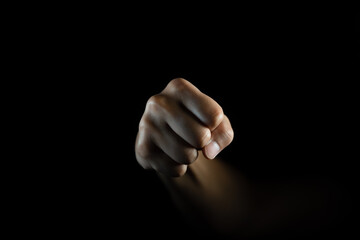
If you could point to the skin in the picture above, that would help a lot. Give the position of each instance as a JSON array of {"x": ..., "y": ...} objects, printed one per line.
[
  {"x": 177, "y": 123},
  {"x": 180, "y": 135}
]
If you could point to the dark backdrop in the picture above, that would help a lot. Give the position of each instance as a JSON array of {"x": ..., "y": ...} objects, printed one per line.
[{"x": 287, "y": 89}]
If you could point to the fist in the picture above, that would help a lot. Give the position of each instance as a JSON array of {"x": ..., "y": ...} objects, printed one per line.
[{"x": 177, "y": 125}]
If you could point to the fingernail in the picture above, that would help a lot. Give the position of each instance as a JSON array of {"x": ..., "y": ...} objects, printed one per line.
[{"x": 212, "y": 149}]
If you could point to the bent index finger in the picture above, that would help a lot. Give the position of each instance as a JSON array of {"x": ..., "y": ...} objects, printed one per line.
[{"x": 206, "y": 109}]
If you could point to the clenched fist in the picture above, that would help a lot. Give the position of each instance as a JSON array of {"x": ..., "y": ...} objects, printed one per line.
[{"x": 177, "y": 123}]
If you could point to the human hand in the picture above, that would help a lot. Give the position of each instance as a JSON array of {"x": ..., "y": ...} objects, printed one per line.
[{"x": 176, "y": 124}]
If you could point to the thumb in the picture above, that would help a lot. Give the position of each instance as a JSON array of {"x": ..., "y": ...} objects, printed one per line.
[{"x": 221, "y": 137}]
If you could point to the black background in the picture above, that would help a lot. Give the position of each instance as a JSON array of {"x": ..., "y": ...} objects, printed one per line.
[{"x": 287, "y": 85}]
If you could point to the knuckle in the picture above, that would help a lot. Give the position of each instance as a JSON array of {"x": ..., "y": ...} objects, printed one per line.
[
  {"x": 217, "y": 116},
  {"x": 203, "y": 139},
  {"x": 144, "y": 124},
  {"x": 156, "y": 103},
  {"x": 178, "y": 85},
  {"x": 143, "y": 148},
  {"x": 142, "y": 151},
  {"x": 143, "y": 155},
  {"x": 228, "y": 136},
  {"x": 171, "y": 171},
  {"x": 189, "y": 156},
  {"x": 178, "y": 171}
]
